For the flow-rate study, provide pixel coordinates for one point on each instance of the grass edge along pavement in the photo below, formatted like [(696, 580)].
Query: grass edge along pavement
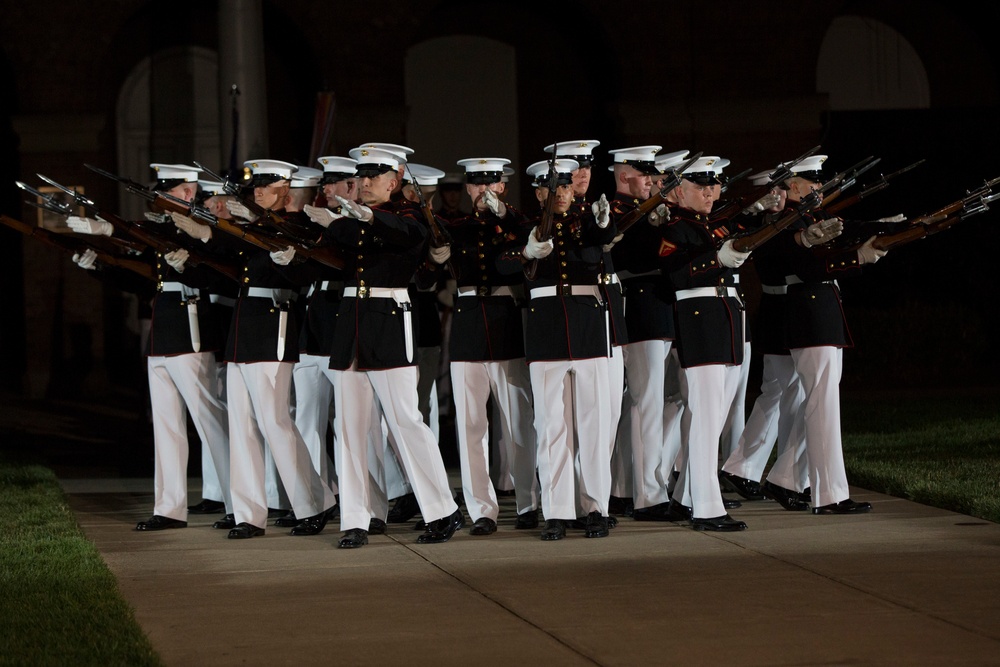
[(59, 602)]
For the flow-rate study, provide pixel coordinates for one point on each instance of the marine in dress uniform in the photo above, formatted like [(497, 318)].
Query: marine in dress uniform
[(709, 324), (261, 352), (487, 350), (567, 346), (374, 350)]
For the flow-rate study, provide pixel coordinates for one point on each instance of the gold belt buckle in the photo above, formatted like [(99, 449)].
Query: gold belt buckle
[(482, 290), (606, 278), (363, 292)]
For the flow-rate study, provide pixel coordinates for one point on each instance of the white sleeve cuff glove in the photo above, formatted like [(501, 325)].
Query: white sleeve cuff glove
[(822, 232), (321, 216), (353, 210), (731, 258), (659, 216), (899, 217), (608, 246), (283, 257), (536, 249), (176, 259), (89, 226), (440, 255), (86, 260), (497, 207), (239, 210), (867, 254), (602, 212), (190, 227)]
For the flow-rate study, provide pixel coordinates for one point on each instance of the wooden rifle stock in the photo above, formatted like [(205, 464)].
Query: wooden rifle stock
[(545, 226)]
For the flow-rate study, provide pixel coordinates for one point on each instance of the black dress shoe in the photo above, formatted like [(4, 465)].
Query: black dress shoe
[(376, 527), (312, 525), (683, 512), (287, 521), (227, 522), (724, 524), (597, 525), (807, 495), (355, 538), (483, 526), (527, 521), (731, 503), (404, 509), (207, 507), (844, 507), (157, 522), (660, 512), (620, 506), (785, 497), (245, 531), (555, 529), (612, 521), (441, 530), (746, 488)]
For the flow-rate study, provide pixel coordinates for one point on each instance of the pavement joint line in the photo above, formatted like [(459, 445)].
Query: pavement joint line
[(494, 601)]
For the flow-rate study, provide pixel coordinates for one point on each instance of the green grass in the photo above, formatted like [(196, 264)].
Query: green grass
[(940, 450), (59, 603)]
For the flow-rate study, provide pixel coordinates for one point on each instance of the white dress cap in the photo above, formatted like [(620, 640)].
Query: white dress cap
[(423, 175), (642, 158), (174, 172), (306, 177)]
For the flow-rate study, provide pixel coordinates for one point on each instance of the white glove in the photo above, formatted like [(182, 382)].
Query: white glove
[(320, 215), (867, 254), (353, 210), (85, 260), (536, 249), (602, 212), (283, 257), (822, 232), (239, 209), (193, 229), (440, 255), (497, 207), (899, 217), (659, 216), (769, 200), (608, 246), (89, 226), (176, 259), (730, 258), (158, 218)]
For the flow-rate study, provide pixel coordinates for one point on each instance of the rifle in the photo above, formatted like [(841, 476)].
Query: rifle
[(545, 224), (735, 179), (812, 201), (438, 236), (852, 177), (134, 230), (975, 203), (782, 173), (75, 244), (878, 186), (649, 205)]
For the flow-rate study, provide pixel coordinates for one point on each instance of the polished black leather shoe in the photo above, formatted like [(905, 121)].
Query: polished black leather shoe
[(555, 529), (785, 497), (681, 512), (597, 525), (724, 524), (404, 509), (746, 488), (620, 506), (287, 521), (376, 527), (312, 525), (612, 521), (207, 507), (731, 503), (441, 530), (245, 531), (660, 512), (483, 526), (807, 495), (527, 521), (157, 522), (844, 507), (355, 538), (227, 522)]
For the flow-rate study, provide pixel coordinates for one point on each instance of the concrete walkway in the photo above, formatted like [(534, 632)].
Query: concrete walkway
[(905, 585)]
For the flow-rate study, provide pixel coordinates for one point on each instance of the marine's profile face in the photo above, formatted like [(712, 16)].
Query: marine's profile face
[(375, 190), (695, 197)]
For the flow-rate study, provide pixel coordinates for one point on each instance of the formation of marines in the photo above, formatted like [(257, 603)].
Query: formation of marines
[(598, 346)]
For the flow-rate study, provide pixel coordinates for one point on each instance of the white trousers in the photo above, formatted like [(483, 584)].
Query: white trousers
[(708, 393), (732, 431), (313, 411), (819, 370), (392, 392), (621, 448), (179, 385), (259, 397), (472, 384), (572, 407), (211, 485)]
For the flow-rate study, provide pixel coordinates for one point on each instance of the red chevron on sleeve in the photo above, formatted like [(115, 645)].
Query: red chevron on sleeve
[(666, 248)]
